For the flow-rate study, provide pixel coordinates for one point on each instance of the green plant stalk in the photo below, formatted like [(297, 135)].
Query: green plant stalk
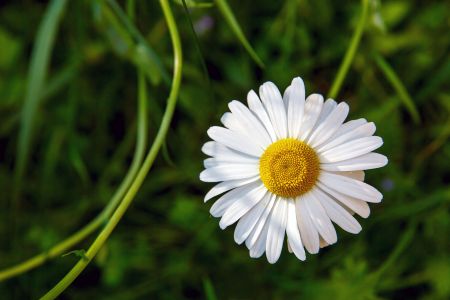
[(398, 86), (65, 245), (234, 25), (351, 51), (130, 195)]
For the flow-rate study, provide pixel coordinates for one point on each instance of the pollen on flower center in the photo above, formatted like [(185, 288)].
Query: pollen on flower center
[(289, 168)]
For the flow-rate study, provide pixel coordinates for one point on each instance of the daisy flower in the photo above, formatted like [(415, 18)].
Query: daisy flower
[(290, 166)]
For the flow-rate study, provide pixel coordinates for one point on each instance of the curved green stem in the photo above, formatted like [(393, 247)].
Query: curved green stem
[(351, 51), (129, 196), (65, 245)]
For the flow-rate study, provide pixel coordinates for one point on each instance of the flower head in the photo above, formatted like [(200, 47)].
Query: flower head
[(290, 166)]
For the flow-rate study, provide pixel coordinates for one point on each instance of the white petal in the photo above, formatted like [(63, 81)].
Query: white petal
[(358, 206), (230, 121), (313, 107), (210, 148), (364, 130), (228, 185), (244, 126), (363, 162), (221, 205), (223, 161), (329, 126), (260, 244), (286, 95), (289, 245), (224, 154), (328, 107), (350, 187), (258, 109), (320, 218), (277, 228), (256, 232), (348, 126), (358, 175), (295, 107), (237, 125), (225, 172), (336, 213), (234, 140), (252, 125), (246, 224), (271, 98), (209, 163), (294, 241), (351, 149), (239, 208), (238, 159), (308, 232)]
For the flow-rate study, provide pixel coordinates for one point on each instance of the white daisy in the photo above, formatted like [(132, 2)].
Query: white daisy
[(290, 166)]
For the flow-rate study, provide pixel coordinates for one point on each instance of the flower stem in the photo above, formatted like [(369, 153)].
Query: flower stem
[(142, 173), (351, 51), (65, 245)]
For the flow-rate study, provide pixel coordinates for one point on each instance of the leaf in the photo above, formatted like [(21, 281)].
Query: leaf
[(234, 25), (40, 60), (350, 53), (210, 294), (154, 66), (398, 86), (199, 51), (78, 253), (194, 4)]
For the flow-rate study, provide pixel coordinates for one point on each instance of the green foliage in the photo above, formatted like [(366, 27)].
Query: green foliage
[(75, 74), (236, 28), (40, 60)]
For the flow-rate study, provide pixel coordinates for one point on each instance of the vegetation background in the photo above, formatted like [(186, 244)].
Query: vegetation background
[(68, 115)]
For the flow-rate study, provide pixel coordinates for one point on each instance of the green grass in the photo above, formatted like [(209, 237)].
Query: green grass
[(75, 119)]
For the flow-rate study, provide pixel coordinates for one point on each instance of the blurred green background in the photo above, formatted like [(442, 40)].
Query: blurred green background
[(76, 101)]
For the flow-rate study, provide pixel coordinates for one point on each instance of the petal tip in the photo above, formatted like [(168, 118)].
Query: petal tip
[(271, 259), (298, 81)]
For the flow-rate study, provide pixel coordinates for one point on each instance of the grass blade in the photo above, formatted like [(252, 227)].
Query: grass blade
[(210, 294), (36, 78), (199, 51), (194, 4), (398, 86), (351, 51), (234, 25), (144, 53)]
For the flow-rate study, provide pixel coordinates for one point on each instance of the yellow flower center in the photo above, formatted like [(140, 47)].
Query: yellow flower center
[(289, 168)]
